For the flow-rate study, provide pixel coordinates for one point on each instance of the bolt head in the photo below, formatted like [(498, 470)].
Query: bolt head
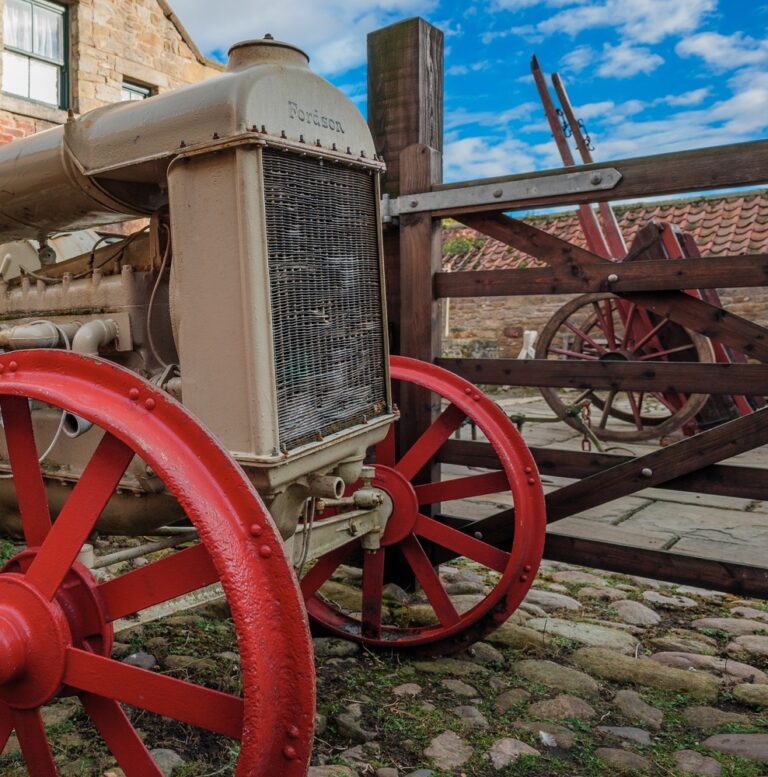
[(265, 551), (150, 404), (612, 278), (646, 472), (256, 530), (596, 179), (497, 193), (290, 753), (134, 393)]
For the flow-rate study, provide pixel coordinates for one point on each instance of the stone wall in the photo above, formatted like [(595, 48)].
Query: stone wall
[(110, 41), (493, 326)]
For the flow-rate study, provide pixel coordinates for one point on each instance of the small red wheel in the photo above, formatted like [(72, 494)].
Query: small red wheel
[(410, 532), (56, 619)]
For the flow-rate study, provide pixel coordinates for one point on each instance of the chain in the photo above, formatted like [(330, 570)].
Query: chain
[(564, 123), (586, 419), (587, 139)]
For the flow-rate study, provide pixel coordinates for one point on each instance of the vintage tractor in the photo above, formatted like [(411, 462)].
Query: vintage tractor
[(223, 373)]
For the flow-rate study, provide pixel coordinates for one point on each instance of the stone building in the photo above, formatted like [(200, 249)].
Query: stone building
[(493, 326), (75, 55)]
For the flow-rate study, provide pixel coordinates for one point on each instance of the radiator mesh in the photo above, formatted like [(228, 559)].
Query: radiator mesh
[(325, 284)]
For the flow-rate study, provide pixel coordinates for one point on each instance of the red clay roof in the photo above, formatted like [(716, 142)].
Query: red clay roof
[(736, 224)]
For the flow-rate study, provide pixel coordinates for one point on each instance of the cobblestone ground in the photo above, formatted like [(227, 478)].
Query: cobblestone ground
[(597, 674)]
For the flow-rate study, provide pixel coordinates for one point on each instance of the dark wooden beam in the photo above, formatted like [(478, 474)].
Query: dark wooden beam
[(738, 579), (702, 169), (716, 479), (706, 273), (405, 91), (530, 240), (733, 331), (665, 377)]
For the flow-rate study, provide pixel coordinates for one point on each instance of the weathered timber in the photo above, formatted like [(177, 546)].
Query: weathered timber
[(405, 106), (702, 169), (716, 479), (739, 579), (695, 314), (706, 319), (664, 377), (405, 91), (530, 240), (653, 469), (706, 273)]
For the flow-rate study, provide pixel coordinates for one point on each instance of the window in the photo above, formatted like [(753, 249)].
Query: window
[(131, 92), (35, 51)]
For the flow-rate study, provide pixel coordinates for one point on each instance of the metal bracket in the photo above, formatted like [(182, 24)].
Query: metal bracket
[(514, 190)]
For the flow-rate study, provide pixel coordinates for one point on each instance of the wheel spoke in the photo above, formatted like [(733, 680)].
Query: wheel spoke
[(385, 450), (666, 352), (607, 410), (79, 515), (610, 324), (430, 581), (166, 696), (462, 488), (27, 475), (650, 334), (121, 737), (635, 411), (373, 591), (605, 326), (573, 354), (324, 567), (584, 336), (461, 543), (34, 743), (6, 726), (185, 571), (629, 324), (429, 443)]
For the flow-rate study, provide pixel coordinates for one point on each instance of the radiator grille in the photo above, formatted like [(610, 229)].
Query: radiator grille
[(326, 296)]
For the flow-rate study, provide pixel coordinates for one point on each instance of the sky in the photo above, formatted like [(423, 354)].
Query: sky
[(645, 76)]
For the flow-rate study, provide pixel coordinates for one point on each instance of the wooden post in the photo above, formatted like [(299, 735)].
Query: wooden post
[(405, 106), (420, 260), (405, 91)]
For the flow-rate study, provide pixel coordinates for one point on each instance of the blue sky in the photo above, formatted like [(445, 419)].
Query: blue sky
[(646, 76)]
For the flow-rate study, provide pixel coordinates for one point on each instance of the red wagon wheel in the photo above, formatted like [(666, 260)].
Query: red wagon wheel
[(56, 620), (601, 327), (410, 532)]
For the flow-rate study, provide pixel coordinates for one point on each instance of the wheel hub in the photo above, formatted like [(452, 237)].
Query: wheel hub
[(35, 633), (405, 504), (615, 356)]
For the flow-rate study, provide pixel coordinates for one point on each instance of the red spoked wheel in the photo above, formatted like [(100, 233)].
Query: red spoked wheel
[(413, 535), (56, 618), (602, 327)]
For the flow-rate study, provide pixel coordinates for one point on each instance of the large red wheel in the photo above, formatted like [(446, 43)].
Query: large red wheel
[(413, 535), (55, 618)]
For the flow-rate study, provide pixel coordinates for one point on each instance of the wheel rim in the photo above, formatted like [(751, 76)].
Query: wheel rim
[(603, 331), (58, 637), (408, 529)]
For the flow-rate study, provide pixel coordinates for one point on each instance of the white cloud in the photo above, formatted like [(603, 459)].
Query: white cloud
[(479, 157), (332, 32), (464, 118), (644, 21), (626, 60), (725, 52), (462, 70), (694, 97), (578, 59)]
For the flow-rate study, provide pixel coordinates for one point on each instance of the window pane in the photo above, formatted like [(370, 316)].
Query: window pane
[(44, 82), (49, 33), (15, 74), (131, 92), (17, 24)]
